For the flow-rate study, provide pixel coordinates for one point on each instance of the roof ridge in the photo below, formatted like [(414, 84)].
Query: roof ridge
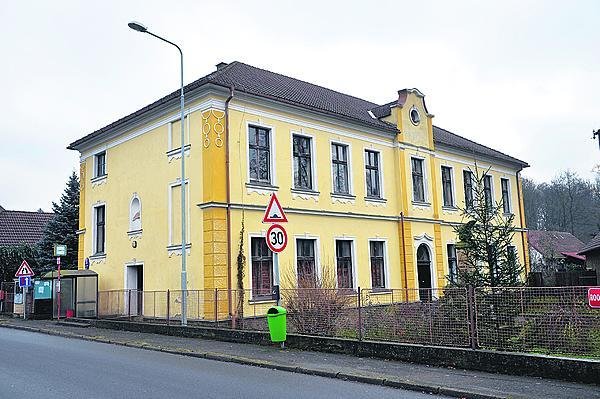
[(309, 83), (34, 212)]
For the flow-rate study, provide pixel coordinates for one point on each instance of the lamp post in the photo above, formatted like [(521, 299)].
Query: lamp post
[(596, 134), (141, 28)]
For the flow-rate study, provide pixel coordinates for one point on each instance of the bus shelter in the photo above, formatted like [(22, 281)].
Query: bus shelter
[(78, 293)]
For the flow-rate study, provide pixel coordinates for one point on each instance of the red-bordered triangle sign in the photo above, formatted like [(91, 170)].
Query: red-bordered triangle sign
[(24, 270), (274, 212)]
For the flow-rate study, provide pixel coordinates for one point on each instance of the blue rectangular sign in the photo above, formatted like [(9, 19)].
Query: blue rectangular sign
[(24, 281)]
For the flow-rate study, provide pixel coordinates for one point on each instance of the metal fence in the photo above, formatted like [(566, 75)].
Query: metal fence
[(550, 320)]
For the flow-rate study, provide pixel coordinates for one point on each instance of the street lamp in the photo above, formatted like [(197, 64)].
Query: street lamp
[(141, 28)]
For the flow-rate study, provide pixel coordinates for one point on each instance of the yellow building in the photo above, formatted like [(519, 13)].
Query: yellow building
[(371, 191)]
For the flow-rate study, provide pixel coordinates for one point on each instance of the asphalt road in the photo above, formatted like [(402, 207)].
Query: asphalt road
[(42, 366)]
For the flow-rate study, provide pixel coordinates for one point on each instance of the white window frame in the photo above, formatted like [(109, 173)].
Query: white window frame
[(354, 259), (313, 160), (381, 179), (473, 182), (186, 132), (273, 171), (445, 251), (188, 224), (95, 174), (425, 180), (492, 189), (386, 271), (94, 231), (452, 185), (134, 197), (350, 175), (317, 241), (252, 235), (425, 239), (509, 187)]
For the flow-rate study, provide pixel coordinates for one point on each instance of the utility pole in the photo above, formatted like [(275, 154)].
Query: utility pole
[(595, 134)]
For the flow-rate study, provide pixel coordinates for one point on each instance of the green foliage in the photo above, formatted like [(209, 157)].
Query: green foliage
[(62, 229), (485, 237), (11, 257)]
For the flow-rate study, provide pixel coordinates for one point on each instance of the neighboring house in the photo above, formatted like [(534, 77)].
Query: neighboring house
[(554, 250), (591, 251), (22, 227), (371, 191)]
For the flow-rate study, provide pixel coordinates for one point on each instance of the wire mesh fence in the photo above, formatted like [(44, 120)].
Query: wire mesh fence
[(547, 320)]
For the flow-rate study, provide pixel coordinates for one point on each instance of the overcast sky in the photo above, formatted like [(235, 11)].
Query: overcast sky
[(521, 77)]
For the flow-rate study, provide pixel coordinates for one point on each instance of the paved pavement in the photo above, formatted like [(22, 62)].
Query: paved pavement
[(39, 365), (457, 383)]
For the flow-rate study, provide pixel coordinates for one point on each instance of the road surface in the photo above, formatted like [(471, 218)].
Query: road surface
[(36, 365)]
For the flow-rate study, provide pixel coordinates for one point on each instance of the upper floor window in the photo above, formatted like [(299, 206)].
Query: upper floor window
[(339, 163), (262, 268), (344, 264), (99, 229), (135, 214), (306, 262), (418, 180), (100, 164), (372, 172), (259, 154), (447, 186), (487, 190), (377, 257), (468, 184), (302, 162), (505, 195)]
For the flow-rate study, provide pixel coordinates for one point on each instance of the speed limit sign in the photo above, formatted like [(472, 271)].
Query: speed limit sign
[(276, 238)]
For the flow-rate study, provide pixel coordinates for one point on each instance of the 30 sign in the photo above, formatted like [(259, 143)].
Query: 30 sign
[(276, 238)]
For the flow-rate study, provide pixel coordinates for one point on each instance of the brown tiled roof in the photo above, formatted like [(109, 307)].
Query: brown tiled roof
[(21, 227), (260, 82), (554, 244), (591, 246)]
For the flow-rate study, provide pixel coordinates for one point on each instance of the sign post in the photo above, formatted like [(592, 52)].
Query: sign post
[(594, 297), (276, 239), (59, 250), (24, 274)]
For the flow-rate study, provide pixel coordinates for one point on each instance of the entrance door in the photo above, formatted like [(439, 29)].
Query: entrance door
[(424, 272), (135, 283)]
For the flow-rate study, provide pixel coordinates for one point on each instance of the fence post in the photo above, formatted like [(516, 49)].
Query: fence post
[(359, 316), (129, 304), (168, 307), (471, 310), (216, 306)]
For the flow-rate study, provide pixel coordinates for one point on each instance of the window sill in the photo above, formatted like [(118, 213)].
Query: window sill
[(176, 152), (99, 255), (449, 208), (342, 195), (421, 204), (262, 186), (134, 232), (380, 291), (261, 300), (306, 191), (98, 179), (376, 199)]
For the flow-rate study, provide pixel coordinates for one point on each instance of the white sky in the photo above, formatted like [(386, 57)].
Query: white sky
[(519, 76)]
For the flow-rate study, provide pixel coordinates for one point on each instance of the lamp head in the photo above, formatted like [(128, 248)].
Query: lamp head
[(137, 26)]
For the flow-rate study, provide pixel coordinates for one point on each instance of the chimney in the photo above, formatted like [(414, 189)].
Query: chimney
[(221, 65)]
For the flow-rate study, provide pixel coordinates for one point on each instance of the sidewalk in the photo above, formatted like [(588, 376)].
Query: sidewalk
[(452, 382)]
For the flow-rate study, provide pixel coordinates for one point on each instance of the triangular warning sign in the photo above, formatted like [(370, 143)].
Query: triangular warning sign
[(274, 212), (24, 270)]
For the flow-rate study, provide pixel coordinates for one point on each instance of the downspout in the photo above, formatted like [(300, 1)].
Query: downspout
[(404, 255), (228, 198), (521, 218)]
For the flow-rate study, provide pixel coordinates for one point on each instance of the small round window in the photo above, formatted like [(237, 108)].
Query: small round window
[(415, 118)]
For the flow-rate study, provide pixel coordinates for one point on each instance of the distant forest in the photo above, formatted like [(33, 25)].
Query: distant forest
[(567, 203)]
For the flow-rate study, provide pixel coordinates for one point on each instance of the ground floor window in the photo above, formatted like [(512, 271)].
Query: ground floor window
[(376, 249), (452, 263), (305, 262), (262, 268), (343, 251)]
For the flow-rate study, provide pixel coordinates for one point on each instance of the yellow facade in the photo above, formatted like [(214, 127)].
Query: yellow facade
[(142, 161)]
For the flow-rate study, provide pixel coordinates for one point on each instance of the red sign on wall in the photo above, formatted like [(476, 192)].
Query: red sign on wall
[(594, 297)]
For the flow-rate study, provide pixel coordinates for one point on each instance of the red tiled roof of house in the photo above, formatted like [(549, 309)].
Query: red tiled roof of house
[(552, 244), (22, 227)]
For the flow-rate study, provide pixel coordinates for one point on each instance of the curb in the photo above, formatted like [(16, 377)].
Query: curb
[(391, 383)]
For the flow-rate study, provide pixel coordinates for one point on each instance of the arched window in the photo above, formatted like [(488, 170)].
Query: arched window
[(135, 214), (424, 272)]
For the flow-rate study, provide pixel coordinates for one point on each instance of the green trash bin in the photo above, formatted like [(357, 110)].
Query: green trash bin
[(276, 318)]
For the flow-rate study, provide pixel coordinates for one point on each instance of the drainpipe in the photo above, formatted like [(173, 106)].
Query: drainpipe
[(521, 218), (228, 197), (404, 255)]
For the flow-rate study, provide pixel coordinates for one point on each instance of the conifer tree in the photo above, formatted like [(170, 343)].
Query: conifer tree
[(62, 229), (485, 241)]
